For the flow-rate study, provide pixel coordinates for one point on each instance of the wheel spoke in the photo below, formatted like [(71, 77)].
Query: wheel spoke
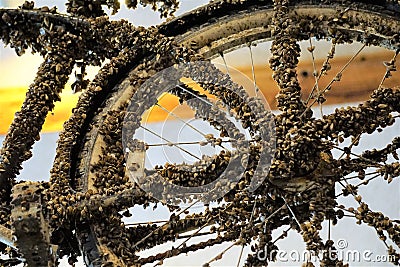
[(165, 224), (183, 244), (180, 119), (250, 224), (324, 69), (335, 79), (390, 66), (375, 163), (368, 180), (202, 143), (188, 124), (195, 247), (358, 177), (146, 223), (220, 255), (204, 99), (329, 229), (207, 223), (293, 215), (283, 235), (253, 71), (224, 60), (170, 142), (355, 140), (311, 49), (376, 221)]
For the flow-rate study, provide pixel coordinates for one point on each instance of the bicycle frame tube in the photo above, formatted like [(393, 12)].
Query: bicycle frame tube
[(6, 237)]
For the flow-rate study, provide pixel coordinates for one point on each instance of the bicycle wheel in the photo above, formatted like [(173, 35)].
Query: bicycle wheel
[(299, 190), (53, 35)]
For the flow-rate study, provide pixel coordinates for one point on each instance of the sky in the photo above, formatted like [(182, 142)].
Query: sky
[(16, 73), (13, 85)]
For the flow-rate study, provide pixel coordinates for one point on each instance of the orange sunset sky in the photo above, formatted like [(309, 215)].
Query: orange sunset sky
[(16, 73)]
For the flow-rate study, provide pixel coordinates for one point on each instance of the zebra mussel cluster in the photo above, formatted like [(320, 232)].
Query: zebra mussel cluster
[(96, 194)]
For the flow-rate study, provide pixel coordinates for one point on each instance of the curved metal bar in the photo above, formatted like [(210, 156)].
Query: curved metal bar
[(6, 237)]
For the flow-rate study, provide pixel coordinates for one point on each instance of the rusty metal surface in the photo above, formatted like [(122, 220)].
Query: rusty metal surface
[(30, 227)]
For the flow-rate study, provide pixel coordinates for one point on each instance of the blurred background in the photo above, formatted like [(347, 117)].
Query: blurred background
[(16, 73)]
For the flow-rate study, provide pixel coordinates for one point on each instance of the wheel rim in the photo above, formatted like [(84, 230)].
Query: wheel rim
[(189, 39)]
